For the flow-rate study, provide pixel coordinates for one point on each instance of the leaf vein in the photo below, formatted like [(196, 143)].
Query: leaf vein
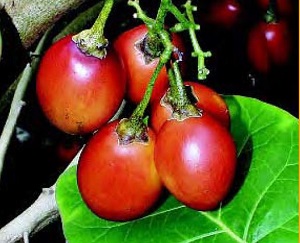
[(279, 227), (225, 228), (199, 237), (261, 196)]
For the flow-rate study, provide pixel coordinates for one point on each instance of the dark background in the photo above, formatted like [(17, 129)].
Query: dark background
[(33, 164)]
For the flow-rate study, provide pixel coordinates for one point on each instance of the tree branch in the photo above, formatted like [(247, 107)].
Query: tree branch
[(32, 19), (42, 212)]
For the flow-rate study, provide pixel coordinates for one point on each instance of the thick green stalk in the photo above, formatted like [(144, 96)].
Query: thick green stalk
[(83, 19), (177, 95), (161, 15), (92, 41), (182, 97), (99, 25)]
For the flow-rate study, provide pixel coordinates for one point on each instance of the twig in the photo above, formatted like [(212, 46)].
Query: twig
[(13, 116), (17, 103), (26, 237)]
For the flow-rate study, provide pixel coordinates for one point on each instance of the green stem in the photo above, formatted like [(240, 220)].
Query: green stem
[(182, 99), (198, 52), (161, 15), (83, 19), (183, 24), (99, 25), (177, 96), (271, 15), (152, 47), (92, 41), (138, 113), (133, 129), (157, 28), (187, 22), (149, 22)]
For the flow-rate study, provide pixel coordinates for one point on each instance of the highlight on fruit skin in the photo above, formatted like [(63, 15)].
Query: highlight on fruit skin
[(198, 163), (75, 91), (118, 182)]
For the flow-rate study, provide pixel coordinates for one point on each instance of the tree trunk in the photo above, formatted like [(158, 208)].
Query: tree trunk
[(32, 18)]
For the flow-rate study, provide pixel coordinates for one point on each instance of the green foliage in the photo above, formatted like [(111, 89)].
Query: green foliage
[(262, 206)]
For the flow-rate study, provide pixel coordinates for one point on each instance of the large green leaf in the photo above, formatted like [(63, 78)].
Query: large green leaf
[(262, 207)]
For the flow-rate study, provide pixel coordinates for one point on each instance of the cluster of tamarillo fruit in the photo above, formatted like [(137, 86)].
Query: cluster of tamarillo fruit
[(127, 164)]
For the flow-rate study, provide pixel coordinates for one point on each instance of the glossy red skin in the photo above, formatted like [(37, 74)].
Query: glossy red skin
[(208, 100), (284, 7), (138, 72), (224, 13), (118, 182), (79, 93), (269, 44), (197, 164)]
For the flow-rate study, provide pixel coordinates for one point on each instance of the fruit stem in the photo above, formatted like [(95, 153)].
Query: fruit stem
[(188, 23), (138, 113), (177, 96), (271, 15), (134, 129), (156, 28), (149, 22), (177, 90), (92, 41)]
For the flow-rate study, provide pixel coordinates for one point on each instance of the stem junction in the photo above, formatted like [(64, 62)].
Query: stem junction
[(92, 41), (159, 40)]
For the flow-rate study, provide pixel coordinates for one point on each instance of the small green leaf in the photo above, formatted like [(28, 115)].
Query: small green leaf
[(262, 206)]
